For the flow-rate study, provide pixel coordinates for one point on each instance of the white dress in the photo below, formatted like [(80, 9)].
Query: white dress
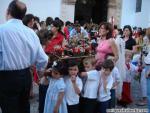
[(120, 64), (55, 87)]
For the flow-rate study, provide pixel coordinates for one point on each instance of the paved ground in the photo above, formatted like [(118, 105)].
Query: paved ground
[(135, 92)]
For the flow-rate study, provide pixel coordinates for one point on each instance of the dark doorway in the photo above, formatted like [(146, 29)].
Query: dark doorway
[(87, 10)]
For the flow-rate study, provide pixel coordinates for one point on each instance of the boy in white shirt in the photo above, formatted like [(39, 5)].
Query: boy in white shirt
[(89, 97), (105, 85), (73, 88), (116, 78)]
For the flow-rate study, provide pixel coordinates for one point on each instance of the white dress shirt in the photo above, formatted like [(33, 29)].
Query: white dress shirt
[(71, 97), (20, 47), (105, 95), (83, 33), (91, 85)]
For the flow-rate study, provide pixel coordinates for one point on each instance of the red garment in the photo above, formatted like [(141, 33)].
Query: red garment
[(53, 42), (128, 66), (126, 93), (35, 75), (66, 32)]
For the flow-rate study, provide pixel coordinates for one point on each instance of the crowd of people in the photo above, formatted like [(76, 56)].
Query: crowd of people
[(100, 80)]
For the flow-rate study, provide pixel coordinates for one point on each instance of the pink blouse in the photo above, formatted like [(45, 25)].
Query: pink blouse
[(103, 49)]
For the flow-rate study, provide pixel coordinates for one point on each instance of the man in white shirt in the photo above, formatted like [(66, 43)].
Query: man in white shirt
[(20, 48), (78, 32)]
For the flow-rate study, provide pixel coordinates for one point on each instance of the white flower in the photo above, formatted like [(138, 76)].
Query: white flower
[(54, 64)]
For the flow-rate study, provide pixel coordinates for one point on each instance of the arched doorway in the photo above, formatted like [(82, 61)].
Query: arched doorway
[(85, 10)]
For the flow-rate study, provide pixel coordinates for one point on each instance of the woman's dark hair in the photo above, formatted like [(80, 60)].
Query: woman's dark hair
[(17, 9), (130, 29), (108, 64), (109, 27), (57, 24), (27, 18), (49, 21)]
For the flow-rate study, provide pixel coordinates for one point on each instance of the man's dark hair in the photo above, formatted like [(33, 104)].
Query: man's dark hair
[(27, 18), (17, 9), (77, 25), (108, 64)]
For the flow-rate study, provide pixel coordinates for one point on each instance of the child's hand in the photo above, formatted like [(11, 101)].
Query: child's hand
[(83, 74), (55, 109), (73, 79), (47, 72)]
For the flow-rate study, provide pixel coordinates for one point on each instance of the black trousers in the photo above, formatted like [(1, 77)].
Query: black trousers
[(87, 105), (73, 108), (42, 95), (14, 91)]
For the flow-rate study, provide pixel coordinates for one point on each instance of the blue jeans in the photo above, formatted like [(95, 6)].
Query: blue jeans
[(147, 70)]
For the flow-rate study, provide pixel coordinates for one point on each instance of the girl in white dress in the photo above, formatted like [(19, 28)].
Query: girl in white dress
[(55, 101)]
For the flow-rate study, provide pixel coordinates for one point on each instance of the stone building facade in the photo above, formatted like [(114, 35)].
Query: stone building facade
[(114, 10)]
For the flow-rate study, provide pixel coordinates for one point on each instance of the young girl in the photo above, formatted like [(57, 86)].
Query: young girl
[(89, 97), (55, 101), (73, 88), (105, 85)]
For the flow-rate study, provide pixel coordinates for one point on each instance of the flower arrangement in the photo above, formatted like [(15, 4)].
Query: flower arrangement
[(76, 47)]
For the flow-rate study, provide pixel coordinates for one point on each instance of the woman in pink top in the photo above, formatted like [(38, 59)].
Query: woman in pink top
[(106, 44)]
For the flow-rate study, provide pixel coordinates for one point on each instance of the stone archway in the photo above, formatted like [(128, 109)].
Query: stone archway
[(113, 9)]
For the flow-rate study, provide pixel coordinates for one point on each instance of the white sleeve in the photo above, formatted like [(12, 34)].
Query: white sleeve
[(117, 74), (110, 82), (79, 83), (85, 33), (92, 75), (133, 68)]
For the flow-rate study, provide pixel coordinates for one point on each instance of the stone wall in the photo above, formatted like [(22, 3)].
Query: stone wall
[(114, 9)]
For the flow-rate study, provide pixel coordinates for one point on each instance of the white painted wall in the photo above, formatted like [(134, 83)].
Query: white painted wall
[(143, 18), (130, 17), (40, 8), (67, 12), (128, 12)]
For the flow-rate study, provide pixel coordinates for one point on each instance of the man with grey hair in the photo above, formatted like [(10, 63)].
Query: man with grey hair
[(20, 48)]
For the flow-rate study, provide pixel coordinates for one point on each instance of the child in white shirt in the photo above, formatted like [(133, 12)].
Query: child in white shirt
[(73, 88), (105, 85), (116, 78), (89, 97), (130, 71)]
